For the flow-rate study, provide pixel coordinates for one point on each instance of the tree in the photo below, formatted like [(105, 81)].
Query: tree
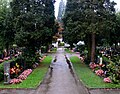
[(49, 23), (114, 36), (72, 33), (33, 22), (7, 33), (93, 18)]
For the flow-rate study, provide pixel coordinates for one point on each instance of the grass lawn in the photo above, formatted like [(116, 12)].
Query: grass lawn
[(54, 50), (90, 79), (35, 78), (68, 51)]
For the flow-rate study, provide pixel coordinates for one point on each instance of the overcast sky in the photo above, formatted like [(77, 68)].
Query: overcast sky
[(58, 1), (118, 4)]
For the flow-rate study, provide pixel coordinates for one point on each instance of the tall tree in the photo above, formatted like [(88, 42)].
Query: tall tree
[(34, 19), (72, 22), (6, 30), (49, 23), (94, 17), (33, 23)]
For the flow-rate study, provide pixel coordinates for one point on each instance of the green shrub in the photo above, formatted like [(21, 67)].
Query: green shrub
[(1, 76), (114, 70), (67, 50), (1, 72), (61, 44), (43, 49)]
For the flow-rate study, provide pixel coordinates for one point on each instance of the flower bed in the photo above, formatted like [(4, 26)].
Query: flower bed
[(97, 68), (21, 77), (88, 77)]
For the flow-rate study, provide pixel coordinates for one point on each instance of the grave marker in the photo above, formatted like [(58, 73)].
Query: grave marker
[(6, 73)]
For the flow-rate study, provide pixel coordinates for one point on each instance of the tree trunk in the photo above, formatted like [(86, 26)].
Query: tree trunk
[(47, 47), (89, 47), (71, 46), (93, 48), (115, 45)]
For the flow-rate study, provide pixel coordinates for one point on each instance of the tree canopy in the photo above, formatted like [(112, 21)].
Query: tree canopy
[(27, 23), (88, 19)]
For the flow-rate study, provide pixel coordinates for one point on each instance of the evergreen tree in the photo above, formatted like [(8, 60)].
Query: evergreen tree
[(6, 30), (90, 18), (33, 24)]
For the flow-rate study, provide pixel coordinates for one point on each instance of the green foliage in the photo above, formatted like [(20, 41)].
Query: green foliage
[(1, 76), (1, 72), (53, 50), (47, 61), (26, 21), (61, 44), (89, 20), (6, 31), (71, 22), (105, 59), (68, 50), (114, 70)]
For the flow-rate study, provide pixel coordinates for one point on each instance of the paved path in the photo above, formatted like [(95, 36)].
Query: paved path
[(104, 91), (61, 79)]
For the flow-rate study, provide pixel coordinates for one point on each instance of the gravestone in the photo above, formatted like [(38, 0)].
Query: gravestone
[(101, 60), (6, 73)]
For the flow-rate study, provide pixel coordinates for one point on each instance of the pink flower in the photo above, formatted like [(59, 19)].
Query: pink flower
[(92, 65), (16, 54), (77, 52), (21, 77), (107, 80), (1, 60), (99, 72), (15, 81), (6, 58), (27, 72)]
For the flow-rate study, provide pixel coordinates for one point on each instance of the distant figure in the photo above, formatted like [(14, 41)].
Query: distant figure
[(51, 67)]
